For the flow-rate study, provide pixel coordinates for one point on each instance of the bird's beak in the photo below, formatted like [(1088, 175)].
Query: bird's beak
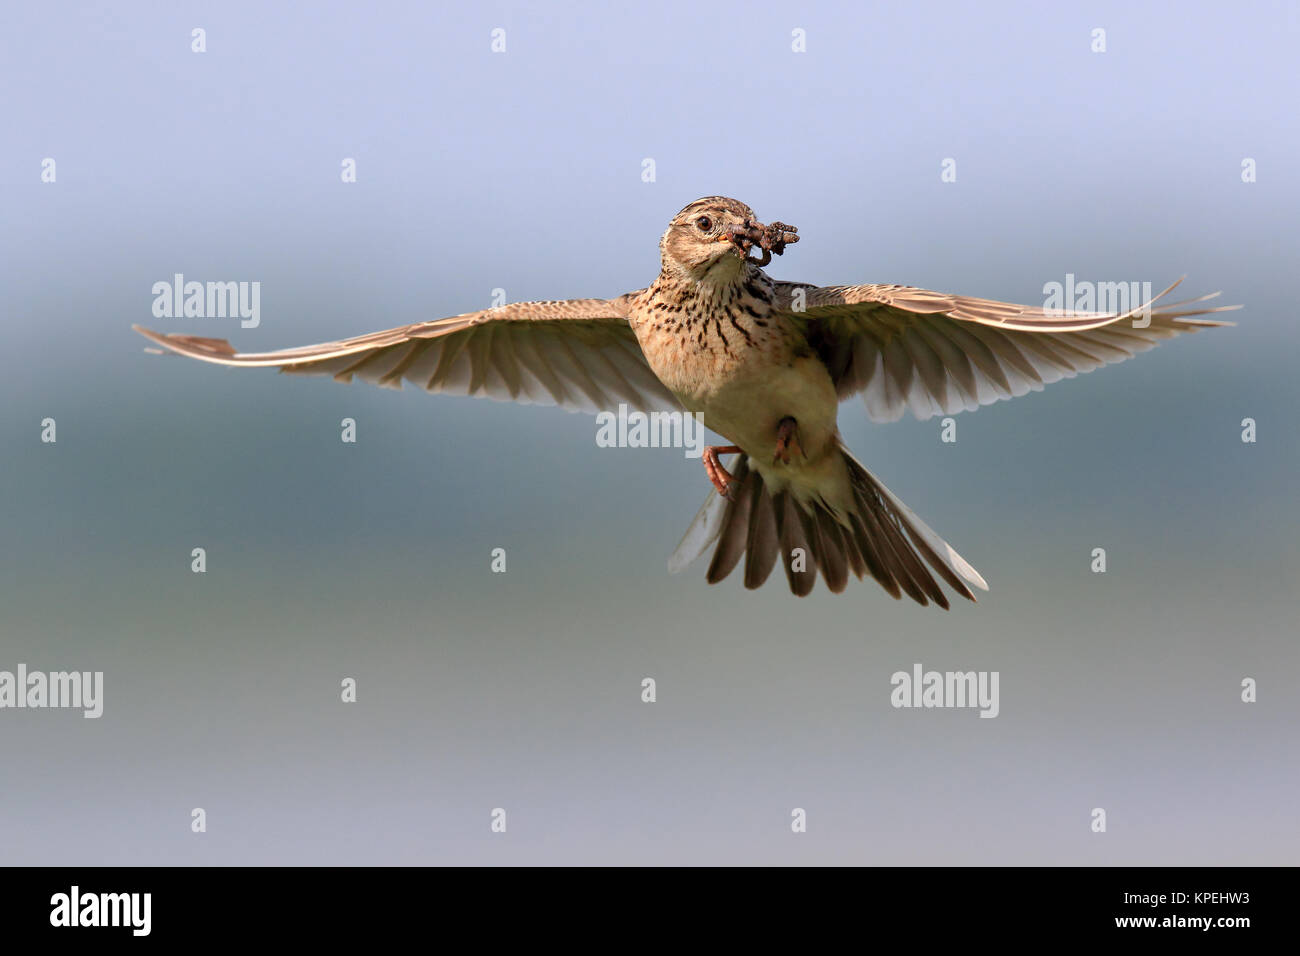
[(739, 242), (739, 237)]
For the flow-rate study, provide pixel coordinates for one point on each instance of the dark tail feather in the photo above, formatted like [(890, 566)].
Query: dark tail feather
[(796, 553), (760, 550), (734, 537), (880, 537), (875, 501), (830, 552)]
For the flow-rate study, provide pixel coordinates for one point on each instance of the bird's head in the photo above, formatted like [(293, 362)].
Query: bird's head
[(712, 238)]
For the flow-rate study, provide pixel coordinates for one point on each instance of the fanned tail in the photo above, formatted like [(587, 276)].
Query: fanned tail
[(875, 535)]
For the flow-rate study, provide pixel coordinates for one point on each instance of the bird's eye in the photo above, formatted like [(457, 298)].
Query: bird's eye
[(704, 223)]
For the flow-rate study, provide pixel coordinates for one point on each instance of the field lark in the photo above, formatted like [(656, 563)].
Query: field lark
[(766, 363)]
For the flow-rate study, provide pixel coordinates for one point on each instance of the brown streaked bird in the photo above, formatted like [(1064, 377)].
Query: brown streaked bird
[(766, 363)]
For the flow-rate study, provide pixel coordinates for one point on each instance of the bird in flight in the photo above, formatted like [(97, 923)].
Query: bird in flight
[(766, 364)]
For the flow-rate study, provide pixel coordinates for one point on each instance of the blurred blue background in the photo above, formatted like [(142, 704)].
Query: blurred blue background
[(522, 171)]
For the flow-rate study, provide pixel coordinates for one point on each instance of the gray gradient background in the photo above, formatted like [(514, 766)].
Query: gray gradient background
[(522, 690)]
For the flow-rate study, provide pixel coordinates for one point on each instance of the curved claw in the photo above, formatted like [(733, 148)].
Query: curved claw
[(787, 441), (723, 481)]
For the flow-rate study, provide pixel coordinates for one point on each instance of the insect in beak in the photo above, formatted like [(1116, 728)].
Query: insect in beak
[(771, 239), (737, 236)]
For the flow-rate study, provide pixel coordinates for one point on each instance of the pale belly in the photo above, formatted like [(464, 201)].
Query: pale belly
[(748, 406)]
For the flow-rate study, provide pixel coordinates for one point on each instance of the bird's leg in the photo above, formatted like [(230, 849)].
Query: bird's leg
[(787, 441), (721, 478)]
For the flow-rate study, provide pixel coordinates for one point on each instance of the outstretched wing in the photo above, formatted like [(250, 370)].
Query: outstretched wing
[(580, 354), (936, 353)]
